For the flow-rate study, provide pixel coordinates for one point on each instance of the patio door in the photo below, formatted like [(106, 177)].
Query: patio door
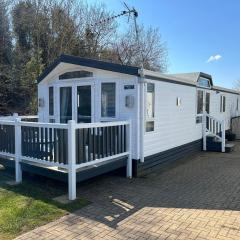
[(65, 104), (84, 104)]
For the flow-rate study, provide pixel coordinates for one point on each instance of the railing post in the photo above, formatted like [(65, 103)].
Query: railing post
[(18, 150), (223, 136), (204, 127), (129, 149), (72, 183)]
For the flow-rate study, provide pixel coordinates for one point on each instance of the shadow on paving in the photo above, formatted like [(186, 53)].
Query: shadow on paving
[(208, 181)]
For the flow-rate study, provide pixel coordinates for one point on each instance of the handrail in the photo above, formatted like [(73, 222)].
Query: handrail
[(21, 117), (101, 124), (45, 125), (208, 115), (214, 127), (7, 122), (29, 117), (69, 146)]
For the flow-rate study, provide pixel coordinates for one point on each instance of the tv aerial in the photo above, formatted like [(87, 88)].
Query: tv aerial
[(130, 12)]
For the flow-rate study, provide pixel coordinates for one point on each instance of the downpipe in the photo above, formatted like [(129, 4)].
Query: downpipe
[(142, 113)]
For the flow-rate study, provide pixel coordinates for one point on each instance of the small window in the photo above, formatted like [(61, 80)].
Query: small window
[(51, 101), (108, 100), (150, 105), (199, 102), (222, 103), (204, 82), (75, 74)]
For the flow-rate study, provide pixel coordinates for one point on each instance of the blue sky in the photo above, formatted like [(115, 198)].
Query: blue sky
[(194, 31)]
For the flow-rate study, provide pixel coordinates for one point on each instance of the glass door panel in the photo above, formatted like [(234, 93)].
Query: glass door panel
[(84, 104), (207, 102), (65, 104)]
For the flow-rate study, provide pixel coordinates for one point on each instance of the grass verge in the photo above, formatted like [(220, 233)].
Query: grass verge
[(29, 205)]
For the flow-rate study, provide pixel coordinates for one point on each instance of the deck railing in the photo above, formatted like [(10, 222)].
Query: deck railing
[(213, 127), (69, 146), (7, 138), (45, 143)]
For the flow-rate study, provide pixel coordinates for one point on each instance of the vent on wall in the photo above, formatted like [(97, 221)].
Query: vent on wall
[(179, 101)]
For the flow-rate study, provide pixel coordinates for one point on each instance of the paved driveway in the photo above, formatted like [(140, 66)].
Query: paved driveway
[(198, 198)]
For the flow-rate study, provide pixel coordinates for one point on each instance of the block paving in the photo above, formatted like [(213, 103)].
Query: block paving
[(196, 198)]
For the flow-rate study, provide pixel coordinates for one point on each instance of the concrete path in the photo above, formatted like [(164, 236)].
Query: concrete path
[(198, 198)]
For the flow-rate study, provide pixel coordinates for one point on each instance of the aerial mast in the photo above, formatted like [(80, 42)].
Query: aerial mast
[(130, 12)]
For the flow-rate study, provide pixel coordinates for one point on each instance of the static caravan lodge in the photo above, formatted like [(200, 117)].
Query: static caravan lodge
[(96, 116)]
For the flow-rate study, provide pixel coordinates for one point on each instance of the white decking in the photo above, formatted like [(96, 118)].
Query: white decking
[(70, 147)]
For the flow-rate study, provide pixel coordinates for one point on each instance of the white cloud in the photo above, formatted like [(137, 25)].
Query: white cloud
[(214, 58)]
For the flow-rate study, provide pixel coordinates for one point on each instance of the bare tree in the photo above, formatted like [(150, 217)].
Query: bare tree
[(152, 50), (95, 34), (40, 30)]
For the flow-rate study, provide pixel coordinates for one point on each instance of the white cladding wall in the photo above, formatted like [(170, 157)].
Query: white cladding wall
[(99, 76), (231, 106), (176, 125)]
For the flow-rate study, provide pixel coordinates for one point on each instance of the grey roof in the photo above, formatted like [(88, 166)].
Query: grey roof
[(189, 79), (87, 62), (194, 76)]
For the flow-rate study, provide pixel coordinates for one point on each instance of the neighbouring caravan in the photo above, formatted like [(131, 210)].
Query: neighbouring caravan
[(165, 109), (95, 117)]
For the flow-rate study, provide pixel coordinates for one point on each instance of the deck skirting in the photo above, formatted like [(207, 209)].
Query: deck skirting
[(166, 157)]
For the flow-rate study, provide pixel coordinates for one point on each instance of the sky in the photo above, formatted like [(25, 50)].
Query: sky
[(201, 35)]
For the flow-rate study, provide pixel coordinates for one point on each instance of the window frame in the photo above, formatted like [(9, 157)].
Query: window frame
[(201, 113), (51, 113), (107, 118), (152, 118), (72, 97), (75, 71), (201, 86), (223, 102), (205, 92)]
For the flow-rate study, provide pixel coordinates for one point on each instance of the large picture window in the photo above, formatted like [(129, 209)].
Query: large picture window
[(108, 100), (150, 106), (51, 101)]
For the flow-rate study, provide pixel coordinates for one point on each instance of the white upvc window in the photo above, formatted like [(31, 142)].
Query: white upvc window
[(51, 105), (200, 102), (108, 100), (150, 107), (51, 101), (222, 104), (203, 103), (204, 82)]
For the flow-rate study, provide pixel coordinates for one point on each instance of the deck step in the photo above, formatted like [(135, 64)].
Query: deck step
[(229, 147), (214, 145)]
